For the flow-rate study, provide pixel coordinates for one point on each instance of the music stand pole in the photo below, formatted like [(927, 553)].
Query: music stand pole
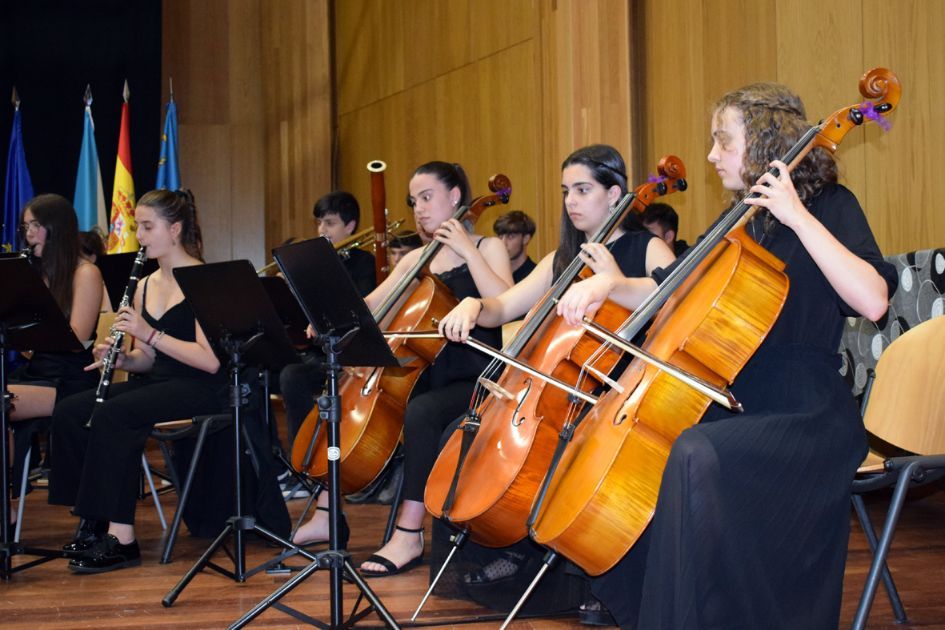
[(335, 559), (349, 336), (254, 335)]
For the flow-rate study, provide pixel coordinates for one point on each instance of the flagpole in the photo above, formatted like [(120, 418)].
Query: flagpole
[(15, 100)]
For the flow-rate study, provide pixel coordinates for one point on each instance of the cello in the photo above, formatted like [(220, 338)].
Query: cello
[(374, 399), (711, 314), (487, 487)]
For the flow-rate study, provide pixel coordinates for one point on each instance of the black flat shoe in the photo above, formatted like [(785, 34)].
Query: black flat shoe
[(107, 555), (88, 533), (593, 613)]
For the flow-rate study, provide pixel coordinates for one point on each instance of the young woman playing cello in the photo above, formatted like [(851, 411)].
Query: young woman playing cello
[(96, 469), (470, 265), (752, 519), (593, 180)]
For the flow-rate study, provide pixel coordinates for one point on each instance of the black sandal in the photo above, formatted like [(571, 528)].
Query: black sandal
[(391, 568)]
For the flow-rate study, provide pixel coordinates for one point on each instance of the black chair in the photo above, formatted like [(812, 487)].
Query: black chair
[(905, 409)]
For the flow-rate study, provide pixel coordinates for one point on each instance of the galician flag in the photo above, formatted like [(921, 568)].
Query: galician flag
[(168, 174), (19, 188), (121, 235), (89, 199)]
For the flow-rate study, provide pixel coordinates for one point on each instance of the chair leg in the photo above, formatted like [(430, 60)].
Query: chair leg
[(882, 548), (154, 495), (867, 525), (185, 492), (23, 483)]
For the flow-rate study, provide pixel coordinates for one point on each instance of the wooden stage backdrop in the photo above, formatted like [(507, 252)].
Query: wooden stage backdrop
[(513, 86)]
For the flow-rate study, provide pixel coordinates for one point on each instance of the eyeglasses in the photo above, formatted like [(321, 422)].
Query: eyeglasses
[(30, 225)]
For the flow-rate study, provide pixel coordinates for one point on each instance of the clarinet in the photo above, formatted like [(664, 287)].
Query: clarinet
[(118, 336)]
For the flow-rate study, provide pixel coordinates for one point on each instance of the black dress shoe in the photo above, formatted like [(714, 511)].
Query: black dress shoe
[(107, 555), (88, 533)]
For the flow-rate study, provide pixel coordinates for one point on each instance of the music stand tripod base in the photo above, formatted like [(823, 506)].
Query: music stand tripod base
[(349, 336)]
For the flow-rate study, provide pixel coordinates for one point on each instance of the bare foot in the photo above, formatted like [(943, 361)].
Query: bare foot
[(401, 549), (314, 531)]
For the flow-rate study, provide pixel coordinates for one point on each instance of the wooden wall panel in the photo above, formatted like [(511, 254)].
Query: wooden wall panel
[(585, 92), (906, 208), (208, 49), (253, 88), (296, 95), (820, 56), (443, 119), (820, 50), (516, 86)]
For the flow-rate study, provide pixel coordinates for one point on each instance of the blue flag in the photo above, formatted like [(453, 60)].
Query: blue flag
[(89, 199), (168, 174), (18, 189)]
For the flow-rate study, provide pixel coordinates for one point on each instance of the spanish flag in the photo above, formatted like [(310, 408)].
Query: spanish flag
[(121, 234)]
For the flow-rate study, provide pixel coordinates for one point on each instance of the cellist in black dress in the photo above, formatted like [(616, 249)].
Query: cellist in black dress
[(469, 265), (752, 520), (593, 180)]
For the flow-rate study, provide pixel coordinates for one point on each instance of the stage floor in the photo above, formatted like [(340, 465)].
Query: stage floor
[(50, 596)]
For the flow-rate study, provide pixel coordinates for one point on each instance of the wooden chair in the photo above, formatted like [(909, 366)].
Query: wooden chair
[(904, 408)]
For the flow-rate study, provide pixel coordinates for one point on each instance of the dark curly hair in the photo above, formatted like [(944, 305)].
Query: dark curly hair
[(177, 206), (775, 119)]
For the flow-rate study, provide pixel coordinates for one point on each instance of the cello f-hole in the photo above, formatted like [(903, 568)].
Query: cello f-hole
[(619, 419), (517, 419)]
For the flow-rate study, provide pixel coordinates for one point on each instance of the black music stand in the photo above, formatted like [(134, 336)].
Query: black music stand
[(243, 331), (30, 319), (349, 336), (115, 270)]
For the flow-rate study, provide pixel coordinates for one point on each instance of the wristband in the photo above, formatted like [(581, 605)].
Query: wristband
[(157, 339), (151, 336)]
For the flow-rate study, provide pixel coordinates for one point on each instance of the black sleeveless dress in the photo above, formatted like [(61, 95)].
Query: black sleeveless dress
[(752, 522), (97, 469), (562, 588), (443, 391)]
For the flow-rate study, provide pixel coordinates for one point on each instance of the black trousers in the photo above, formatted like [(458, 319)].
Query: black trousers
[(97, 470), (428, 414)]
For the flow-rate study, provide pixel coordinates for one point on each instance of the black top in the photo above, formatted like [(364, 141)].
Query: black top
[(360, 266), (458, 362), (519, 274), (178, 322), (630, 252), (813, 313)]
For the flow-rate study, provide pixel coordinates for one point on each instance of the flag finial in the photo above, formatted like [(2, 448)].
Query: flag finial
[(126, 93), (170, 83), (88, 95)]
